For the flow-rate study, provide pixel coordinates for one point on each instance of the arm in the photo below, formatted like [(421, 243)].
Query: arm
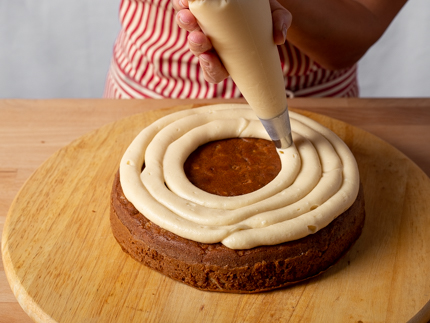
[(337, 33)]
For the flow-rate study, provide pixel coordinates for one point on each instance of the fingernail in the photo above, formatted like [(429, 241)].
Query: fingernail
[(182, 4), (194, 43), (284, 31), (182, 20), (203, 61)]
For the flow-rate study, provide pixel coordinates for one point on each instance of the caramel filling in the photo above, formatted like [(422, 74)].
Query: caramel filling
[(233, 166)]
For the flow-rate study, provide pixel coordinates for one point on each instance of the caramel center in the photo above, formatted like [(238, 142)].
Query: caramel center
[(233, 166)]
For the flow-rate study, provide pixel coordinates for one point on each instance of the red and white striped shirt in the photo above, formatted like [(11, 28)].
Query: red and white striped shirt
[(151, 59)]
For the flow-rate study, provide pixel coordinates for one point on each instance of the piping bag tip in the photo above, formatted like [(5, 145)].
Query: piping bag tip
[(284, 143), (279, 130)]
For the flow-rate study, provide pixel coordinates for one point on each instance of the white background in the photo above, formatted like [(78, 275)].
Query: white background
[(62, 49)]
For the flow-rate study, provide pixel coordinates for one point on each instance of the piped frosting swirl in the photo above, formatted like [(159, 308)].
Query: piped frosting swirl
[(318, 180)]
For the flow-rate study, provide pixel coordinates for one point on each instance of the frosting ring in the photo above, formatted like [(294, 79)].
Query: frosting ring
[(318, 181)]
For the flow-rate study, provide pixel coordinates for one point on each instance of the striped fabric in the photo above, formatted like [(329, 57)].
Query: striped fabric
[(151, 60)]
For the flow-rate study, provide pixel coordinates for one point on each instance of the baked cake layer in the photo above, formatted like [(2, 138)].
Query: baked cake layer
[(214, 267)]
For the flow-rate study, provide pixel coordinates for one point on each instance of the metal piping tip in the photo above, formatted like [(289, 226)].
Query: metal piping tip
[(279, 130)]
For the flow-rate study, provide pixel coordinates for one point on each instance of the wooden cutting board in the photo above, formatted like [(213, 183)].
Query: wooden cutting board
[(64, 265)]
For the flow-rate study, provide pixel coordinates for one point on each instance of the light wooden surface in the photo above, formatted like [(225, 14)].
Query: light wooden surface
[(31, 131)]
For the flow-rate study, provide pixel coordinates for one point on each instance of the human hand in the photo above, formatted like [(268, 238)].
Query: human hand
[(200, 45)]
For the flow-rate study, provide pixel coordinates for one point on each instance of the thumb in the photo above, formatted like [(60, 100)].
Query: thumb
[(282, 19)]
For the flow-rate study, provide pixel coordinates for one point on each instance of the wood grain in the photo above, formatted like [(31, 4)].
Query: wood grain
[(65, 266)]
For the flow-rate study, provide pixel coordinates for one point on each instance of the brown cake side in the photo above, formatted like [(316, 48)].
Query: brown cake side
[(214, 267)]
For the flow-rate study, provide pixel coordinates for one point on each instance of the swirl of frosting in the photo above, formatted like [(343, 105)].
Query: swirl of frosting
[(318, 180)]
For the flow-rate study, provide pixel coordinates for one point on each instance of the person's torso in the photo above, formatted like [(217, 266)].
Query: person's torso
[(152, 59)]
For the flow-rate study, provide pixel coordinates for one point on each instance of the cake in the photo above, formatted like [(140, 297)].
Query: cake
[(205, 198)]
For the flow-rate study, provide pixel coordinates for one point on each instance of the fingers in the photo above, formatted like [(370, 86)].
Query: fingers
[(282, 19), (199, 44), (180, 4), (186, 20), (213, 70)]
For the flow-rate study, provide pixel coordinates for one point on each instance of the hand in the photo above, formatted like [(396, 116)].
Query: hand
[(200, 45)]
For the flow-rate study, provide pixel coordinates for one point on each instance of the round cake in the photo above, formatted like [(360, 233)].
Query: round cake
[(204, 197)]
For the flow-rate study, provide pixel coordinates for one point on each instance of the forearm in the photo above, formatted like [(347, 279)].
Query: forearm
[(337, 33)]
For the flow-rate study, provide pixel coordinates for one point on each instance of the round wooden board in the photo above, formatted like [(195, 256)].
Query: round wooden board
[(64, 265)]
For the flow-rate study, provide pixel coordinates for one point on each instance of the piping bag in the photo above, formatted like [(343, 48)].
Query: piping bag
[(241, 31)]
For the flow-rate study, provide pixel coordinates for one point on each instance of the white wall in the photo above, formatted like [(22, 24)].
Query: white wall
[(56, 48), (398, 65), (62, 49)]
